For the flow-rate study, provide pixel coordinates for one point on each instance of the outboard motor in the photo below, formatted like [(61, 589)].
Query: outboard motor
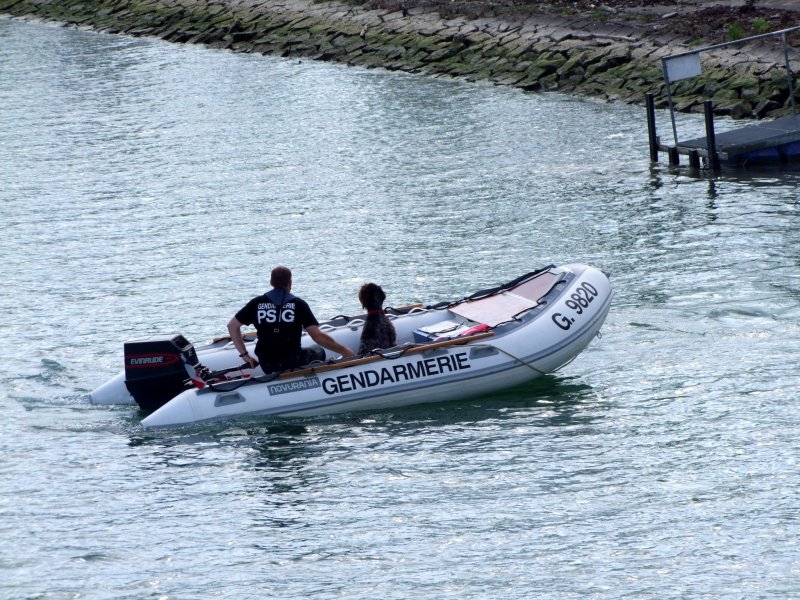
[(158, 368)]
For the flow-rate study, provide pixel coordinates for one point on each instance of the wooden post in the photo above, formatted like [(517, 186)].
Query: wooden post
[(674, 157), (694, 159), (711, 139), (651, 127)]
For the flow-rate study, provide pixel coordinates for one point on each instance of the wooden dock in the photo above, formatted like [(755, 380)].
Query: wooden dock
[(773, 142), (751, 139), (769, 142)]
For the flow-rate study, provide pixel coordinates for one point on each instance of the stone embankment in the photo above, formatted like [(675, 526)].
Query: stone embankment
[(539, 53)]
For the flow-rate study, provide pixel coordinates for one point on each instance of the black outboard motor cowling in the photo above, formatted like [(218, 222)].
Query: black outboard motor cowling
[(155, 371)]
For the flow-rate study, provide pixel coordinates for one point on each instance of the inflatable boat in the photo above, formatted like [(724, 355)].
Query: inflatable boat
[(490, 340)]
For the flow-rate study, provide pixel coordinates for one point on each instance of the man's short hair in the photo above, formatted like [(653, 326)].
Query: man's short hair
[(280, 277)]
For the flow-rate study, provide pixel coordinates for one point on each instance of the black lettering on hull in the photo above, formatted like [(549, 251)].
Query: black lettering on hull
[(420, 369)]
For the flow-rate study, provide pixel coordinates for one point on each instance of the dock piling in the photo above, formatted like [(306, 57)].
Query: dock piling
[(711, 139), (651, 126), (674, 157)]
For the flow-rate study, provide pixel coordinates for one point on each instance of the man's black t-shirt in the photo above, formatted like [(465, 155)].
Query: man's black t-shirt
[(279, 318)]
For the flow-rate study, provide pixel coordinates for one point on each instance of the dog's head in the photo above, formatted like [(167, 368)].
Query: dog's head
[(371, 296)]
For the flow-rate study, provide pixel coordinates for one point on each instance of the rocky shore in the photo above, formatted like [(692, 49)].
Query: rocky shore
[(609, 52)]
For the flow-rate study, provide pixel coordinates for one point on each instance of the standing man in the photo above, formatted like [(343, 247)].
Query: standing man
[(280, 318)]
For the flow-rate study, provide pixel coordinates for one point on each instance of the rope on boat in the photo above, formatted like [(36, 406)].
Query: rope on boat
[(558, 368), (392, 354), (480, 295), (517, 358), (398, 354), (233, 385)]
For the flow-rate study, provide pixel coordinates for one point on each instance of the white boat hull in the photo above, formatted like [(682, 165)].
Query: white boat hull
[(547, 333)]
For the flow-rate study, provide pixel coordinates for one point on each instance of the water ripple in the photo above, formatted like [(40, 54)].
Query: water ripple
[(148, 189)]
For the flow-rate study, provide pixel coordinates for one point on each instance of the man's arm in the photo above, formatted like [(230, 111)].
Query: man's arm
[(326, 341), (235, 331)]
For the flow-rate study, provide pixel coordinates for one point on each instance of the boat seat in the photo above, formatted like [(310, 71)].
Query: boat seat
[(504, 306)]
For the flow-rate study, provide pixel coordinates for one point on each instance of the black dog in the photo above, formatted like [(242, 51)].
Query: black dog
[(378, 330)]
